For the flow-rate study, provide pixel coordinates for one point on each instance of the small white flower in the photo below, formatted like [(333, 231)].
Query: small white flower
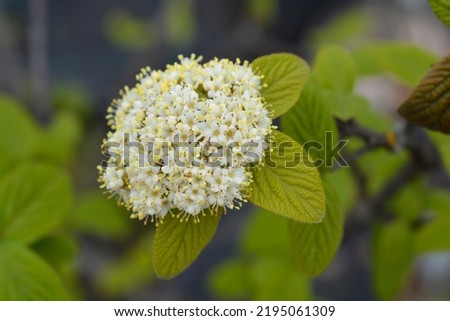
[(217, 107)]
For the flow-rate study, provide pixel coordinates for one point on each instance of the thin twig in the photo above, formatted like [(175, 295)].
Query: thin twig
[(350, 128), (425, 160), (396, 183)]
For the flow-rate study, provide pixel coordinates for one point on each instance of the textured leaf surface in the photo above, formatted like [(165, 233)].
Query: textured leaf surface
[(334, 68), (429, 104), (33, 200), (25, 276), (442, 9), (309, 120), (315, 245), (177, 244), (393, 254), (288, 185), (285, 75)]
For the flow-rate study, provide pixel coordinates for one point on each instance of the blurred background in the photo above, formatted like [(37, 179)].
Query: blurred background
[(61, 64)]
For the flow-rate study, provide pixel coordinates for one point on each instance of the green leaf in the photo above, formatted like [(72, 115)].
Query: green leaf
[(344, 28), (130, 272), (97, 215), (345, 105), (25, 276), (335, 69), (343, 183), (433, 236), (274, 228), (58, 143), (288, 185), (276, 280), (393, 254), (264, 271), (409, 202), (129, 32), (18, 133), (374, 119), (264, 11), (6, 165), (442, 9), (180, 22), (177, 244), (381, 165), (33, 200), (266, 278), (429, 104), (406, 62), (56, 249), (230, 281), (285, 75), (309, 120), (439, 202), (315, 245)]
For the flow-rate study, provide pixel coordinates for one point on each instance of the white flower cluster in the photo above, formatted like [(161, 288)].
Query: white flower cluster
[(217, 106)]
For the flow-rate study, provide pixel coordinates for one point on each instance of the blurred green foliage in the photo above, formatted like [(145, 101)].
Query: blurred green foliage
[(440, 8), (348, 28), (334, 72), (97, 215), (19, 134), (264, 270), (35, 195), (130, 272), (180, 22), (174, 24), (129, 32), (263, 11), (26, 276), (43, 214), (33, 198), (406, 62), (392, 258), (314, 128), (395, 243)]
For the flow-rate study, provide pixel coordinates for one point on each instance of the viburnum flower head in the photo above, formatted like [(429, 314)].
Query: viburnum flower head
[(202, 126)]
